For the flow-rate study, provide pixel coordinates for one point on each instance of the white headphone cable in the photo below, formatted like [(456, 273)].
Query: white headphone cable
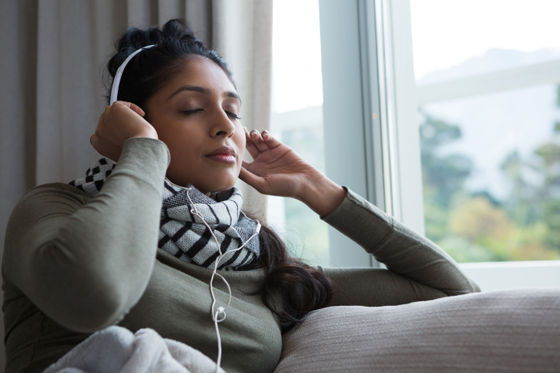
[(219, 315)]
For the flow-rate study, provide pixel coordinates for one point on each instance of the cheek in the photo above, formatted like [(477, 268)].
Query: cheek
[(176, 145), (179, 137), (241, 142)]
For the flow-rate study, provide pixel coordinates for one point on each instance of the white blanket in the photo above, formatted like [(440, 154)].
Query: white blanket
[(116, 349)]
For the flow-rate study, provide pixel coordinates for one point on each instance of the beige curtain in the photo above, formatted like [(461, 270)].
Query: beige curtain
[(52, 72)]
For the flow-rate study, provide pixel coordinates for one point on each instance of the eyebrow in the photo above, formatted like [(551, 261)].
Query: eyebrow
[(206, 91)]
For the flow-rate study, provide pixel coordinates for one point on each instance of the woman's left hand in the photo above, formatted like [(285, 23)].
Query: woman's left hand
[(277, 170)]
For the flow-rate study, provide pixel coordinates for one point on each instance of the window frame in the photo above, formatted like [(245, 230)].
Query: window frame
[(362, 99), (353, 140), (376, 99)]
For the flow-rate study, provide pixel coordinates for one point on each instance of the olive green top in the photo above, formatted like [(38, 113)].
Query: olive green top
[(74, 264)]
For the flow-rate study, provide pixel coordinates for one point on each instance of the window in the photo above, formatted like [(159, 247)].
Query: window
[(489, 108), (297, 119), (465, 102), (466, 107)]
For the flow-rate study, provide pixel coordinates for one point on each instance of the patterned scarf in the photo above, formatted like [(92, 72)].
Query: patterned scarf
[(183, 233)]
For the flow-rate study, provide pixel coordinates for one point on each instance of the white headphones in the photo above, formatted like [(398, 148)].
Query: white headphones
[(120, 70)]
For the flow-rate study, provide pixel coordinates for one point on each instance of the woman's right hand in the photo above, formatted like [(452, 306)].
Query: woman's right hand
[(119, 122)]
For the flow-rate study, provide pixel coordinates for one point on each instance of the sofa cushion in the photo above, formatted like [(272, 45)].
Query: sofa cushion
[(514, 330)]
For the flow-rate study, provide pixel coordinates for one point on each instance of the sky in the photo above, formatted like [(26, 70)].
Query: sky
[(448, 32)]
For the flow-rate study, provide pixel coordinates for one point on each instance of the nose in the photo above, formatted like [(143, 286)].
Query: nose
[(222, 125)]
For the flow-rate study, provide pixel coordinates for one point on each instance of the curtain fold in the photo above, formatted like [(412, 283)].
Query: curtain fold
[(53, 74)]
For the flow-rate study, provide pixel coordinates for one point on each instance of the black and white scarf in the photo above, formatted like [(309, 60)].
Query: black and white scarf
[(183, 233)]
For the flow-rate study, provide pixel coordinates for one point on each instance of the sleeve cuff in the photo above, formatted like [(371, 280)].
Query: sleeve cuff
[(360, 220)]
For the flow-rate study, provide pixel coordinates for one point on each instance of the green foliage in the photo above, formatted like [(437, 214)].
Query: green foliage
[(446, 173), (475, 226), (520, 204), (477, 220), (551, 215), (435, 214), (549, 153)]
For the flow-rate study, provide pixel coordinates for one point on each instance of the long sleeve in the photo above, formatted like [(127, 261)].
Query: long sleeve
[(417, 269), (85, 261)]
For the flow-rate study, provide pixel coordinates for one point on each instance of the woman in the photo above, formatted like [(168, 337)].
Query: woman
[(106, 250)]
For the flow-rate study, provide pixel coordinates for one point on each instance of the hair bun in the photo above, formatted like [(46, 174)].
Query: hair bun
[(133, 39), (174, 31), (177, 29)]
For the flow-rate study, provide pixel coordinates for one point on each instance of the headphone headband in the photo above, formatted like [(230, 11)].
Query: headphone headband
[(120, 70)]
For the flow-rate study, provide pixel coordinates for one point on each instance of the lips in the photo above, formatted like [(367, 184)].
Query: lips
[(223, 154)]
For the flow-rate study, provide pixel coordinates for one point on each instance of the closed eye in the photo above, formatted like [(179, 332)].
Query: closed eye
[(233, 115), (191, 111)]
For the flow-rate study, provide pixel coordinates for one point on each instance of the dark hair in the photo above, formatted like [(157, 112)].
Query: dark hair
[(150, 69), (291, 288)]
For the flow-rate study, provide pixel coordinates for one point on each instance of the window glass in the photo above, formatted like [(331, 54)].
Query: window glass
[(490, 162), (297, 119), (491, 174), (459, 38)]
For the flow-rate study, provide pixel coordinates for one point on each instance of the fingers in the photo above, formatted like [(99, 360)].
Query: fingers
[(104, 147), (258, 142), (250, 178), (132, 106), (119, 122), (251, 148), (270, 140), (137, 109), (247, 166)]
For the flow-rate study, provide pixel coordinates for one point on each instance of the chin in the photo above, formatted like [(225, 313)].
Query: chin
[(223, 188), (224, 183), (209, 183), (218, 187)]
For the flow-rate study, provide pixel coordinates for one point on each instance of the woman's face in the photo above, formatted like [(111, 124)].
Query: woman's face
[(196, 113)]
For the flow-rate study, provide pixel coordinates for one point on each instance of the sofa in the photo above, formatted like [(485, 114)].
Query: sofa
[(497, 331)]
